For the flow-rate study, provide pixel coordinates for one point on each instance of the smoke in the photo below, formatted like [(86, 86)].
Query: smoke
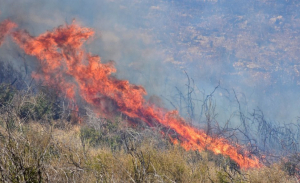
[(66, 66), (251, 48), (119, 33), (5, 27)]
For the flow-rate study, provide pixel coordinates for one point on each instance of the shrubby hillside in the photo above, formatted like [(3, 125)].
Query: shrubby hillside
[(44, 139)]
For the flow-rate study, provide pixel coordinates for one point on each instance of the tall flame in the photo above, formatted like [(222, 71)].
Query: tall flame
[(67, 66)]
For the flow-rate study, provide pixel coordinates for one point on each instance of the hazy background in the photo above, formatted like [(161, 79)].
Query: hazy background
[(250, 47)]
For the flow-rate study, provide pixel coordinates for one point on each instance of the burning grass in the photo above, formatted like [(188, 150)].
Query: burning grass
[(81, 76), (41, 139), (105, 150)]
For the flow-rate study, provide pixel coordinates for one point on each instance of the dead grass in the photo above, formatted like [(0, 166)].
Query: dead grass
[(49, 150)]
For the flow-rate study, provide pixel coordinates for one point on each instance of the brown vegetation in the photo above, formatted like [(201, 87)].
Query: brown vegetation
[(39, 144)]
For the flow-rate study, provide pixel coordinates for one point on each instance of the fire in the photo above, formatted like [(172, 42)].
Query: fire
[(5, 27), (66, 65)]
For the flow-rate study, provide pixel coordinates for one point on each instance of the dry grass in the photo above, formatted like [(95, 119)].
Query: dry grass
[(59, 157), (51, 150)]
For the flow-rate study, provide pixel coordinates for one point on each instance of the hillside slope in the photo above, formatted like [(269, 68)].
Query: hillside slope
[(42, 141)]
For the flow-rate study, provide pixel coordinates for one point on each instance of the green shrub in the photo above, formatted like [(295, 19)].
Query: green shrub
[(6, 94), (90, 136), (106, 136), (37, 108)]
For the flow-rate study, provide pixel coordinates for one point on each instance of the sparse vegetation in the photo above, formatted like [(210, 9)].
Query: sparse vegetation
[(35, 147)]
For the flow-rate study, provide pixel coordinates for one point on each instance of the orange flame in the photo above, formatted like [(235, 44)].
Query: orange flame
[(67, 66), (5, 27)]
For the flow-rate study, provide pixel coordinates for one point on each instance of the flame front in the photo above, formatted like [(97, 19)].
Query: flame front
[(67, 66)]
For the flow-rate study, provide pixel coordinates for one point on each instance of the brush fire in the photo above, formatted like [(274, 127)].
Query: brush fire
[(66, 65)]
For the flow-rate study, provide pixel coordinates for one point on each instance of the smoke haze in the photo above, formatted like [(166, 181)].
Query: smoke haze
[(251, 48)]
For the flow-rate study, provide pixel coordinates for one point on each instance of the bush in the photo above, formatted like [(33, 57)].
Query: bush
[(36, 109), (102, 150), (108, 135), (6, 94), (41, 106)]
